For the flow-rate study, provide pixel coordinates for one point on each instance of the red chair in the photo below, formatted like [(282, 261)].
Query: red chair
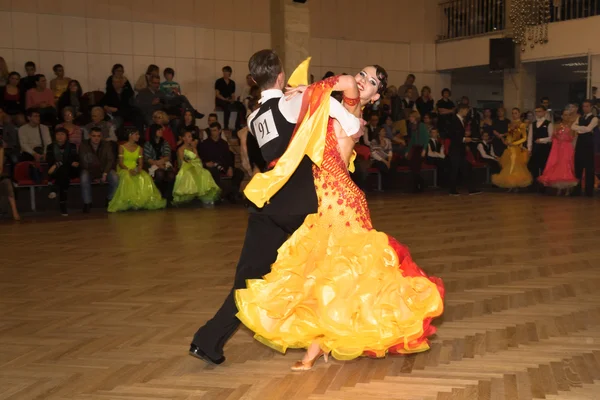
[(22, 178), (362, 152)]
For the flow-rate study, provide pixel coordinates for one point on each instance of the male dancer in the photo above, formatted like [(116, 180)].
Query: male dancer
[(538, 142), (584, 150), (268, 228), (458, 152)]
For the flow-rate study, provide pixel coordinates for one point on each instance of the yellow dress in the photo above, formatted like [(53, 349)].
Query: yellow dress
[(336, 280), (515, 173)]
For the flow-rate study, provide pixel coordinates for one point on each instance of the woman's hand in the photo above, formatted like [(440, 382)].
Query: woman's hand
[(291, 92)]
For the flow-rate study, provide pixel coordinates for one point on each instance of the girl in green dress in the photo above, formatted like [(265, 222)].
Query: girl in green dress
[(193, 181), (136, 190)]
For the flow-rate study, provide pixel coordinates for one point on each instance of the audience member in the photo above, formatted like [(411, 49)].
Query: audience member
[(157, 155), (136, 190), (225, 99), (151, 99), (388, 125), (486, 153), (487, 123), (372, 130), (28, 82), (446, 112), (216, 156), (500, 131), (118, 103), (59, 84), (173, 96), (74, 132), (247, 89), (34, 138), (117, 71), (425, 103), (188, 124), (545, 101), (408, 104), (10, 97), (73, 97), (3, 72), (436, 154), (409, 83), (473, 118), (97, 162), (42, 98), (63, 164), (143, 81), (416, 149), (161, 118), (10, 138), (381, 155), (98, 121), (459, 166), (6, 187), (205, 134)]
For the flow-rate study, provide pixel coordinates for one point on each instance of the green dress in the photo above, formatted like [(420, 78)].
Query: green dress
[(194, 182), (135, 192)]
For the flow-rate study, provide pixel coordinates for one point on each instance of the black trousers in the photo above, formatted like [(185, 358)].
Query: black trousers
[(584, 160), (538, 160), (236, 179), (264, 236), (459, 166)]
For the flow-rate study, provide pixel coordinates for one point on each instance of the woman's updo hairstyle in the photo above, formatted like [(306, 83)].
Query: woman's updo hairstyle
[(382, 75)]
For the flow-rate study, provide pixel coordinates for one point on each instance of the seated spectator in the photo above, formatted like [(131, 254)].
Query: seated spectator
[(42, 98), (372, 130), (416, 149), (161, 118), (136, 190), (59, 84), (409, 83), (225, 99), (436, 154), (97, 162), (173, 96), (445, 110), (408, 105), (216, 156), (486, 153), (63, 164), (28, 82), (10, 97), (34, 138), (98, 121), (74, 131), (151, 99), (6, 187), (118, 103), (381, 155), (389, 127), (251, 99), (205, 134), (73, 97), (10, 138), (193, 181), (118, 71), (143, 81), (246, 91), (187, 124), (157, 155), (425, 104)]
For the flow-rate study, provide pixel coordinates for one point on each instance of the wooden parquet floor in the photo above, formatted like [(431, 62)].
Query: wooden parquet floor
[(104, 307)]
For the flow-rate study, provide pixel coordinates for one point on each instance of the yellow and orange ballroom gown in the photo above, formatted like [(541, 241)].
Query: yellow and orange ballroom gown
[(336, 280), (514, 173)]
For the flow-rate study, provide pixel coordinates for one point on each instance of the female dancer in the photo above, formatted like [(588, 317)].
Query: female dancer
[(136, 188), (338, 285), (193, 181), (514, 174), (560, 168)]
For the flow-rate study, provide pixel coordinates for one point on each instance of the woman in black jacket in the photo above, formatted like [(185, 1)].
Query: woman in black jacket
[(63, 164), (73, 97)]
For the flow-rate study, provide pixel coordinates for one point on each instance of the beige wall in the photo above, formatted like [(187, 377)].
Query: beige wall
[(198, 37)]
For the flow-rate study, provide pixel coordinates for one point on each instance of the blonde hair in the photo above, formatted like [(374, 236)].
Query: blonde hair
[(415, 114), (163, 116)]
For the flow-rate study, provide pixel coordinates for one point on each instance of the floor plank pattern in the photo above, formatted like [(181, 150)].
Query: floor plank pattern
[(103, 307)]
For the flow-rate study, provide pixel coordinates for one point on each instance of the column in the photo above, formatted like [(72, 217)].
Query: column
[(290, 32)]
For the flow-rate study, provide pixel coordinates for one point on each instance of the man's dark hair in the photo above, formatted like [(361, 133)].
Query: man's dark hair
[(446, 90), (411, 76), (57, 66), (215, 125), (213, 115), (462, 107), (227, 68), (545, 98), (169, 71), (29, 64), (96, 129), (63, 130), (153, 77), (38, 77), (589, 101), (116, 67), (265, 66), (30, 111), (541, 107), (328, 74)]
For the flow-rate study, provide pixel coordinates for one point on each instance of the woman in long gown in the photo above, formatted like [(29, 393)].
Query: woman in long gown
[(338, 286), (193, 181), (514, 174), (136, 190), (560, 168)]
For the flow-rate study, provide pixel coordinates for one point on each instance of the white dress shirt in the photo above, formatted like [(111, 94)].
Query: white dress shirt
[(539, 123), (290, 109), (585, 129), (435, 154), (483, 154)]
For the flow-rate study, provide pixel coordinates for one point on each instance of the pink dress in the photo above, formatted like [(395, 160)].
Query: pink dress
[(560, 168)]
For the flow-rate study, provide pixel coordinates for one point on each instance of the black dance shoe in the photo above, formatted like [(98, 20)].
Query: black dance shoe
[(195, 351)]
